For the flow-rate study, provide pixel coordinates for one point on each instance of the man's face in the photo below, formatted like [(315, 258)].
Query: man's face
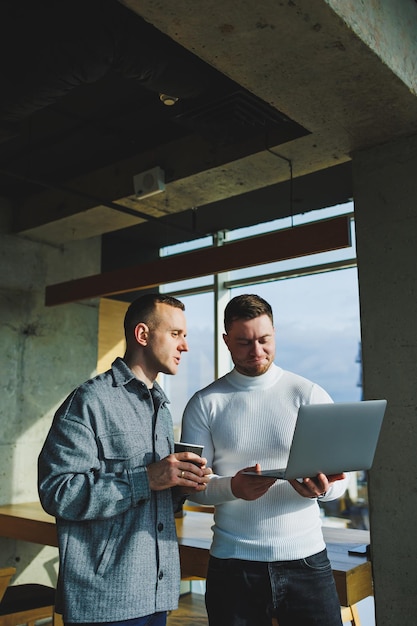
[(252, 345), (166, 341)]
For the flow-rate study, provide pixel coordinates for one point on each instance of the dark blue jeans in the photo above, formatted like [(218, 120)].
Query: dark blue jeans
[(156, 619), (250, 593)]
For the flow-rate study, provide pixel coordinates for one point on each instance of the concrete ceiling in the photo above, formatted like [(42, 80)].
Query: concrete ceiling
[(267, 91)]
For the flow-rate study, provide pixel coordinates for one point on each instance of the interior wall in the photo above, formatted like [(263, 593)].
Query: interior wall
[(45, 353), (111, 340), (385, 190)]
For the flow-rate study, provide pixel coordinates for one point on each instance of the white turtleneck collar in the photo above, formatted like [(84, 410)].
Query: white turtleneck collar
[(241, 381)]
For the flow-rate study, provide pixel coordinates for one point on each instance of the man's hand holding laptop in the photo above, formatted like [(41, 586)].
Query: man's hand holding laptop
[(316, 487), (249, 484)]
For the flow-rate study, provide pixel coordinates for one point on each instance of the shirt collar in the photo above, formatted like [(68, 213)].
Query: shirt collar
[(122, 375)]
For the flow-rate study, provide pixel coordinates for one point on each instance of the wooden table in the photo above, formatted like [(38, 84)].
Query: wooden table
[(353, 576), (28, 522)]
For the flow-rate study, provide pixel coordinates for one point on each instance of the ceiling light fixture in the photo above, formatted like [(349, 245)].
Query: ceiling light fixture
[(168, 100)]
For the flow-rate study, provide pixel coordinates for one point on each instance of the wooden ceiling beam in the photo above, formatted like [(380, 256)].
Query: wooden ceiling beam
[(297, 241)]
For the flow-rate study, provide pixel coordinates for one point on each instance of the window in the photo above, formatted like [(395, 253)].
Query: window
[(316, 311), (196, 369)]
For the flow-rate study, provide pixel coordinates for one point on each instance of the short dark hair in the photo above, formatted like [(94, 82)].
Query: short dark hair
[(246, 307), (143, 310)]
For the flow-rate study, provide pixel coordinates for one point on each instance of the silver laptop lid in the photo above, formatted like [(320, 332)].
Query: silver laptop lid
[(334, 438)]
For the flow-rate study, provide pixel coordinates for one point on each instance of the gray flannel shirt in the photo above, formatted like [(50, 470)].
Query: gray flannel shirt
[(117, 540)]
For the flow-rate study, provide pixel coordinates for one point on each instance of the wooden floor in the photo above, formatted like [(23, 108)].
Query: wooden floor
[(191, 611)]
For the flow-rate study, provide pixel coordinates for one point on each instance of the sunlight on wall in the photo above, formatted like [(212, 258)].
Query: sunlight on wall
[(111, 341)]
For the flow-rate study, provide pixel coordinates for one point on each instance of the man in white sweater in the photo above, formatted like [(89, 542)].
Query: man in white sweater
[(268, 556)]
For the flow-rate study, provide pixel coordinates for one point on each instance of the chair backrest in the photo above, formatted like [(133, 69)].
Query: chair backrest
[(6, 574)]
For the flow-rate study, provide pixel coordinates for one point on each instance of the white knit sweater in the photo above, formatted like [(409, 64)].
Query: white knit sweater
[(241, 421)]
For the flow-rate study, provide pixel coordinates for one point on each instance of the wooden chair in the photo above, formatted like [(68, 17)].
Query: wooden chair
[(350, 614), (26, 603), (5, 577)]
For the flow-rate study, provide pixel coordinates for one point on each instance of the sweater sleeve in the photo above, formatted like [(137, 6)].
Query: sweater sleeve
[(196, 429)]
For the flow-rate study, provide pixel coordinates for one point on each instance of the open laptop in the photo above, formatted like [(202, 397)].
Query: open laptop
[(332, 438)]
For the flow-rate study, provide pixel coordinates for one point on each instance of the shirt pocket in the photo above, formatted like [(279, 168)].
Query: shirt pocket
[(124, 450), (105, 554)]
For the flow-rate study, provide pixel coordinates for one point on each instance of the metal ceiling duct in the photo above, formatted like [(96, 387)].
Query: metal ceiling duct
[(77, 42)]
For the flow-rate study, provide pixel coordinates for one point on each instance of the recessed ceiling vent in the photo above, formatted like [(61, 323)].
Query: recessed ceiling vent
[(239, 116)]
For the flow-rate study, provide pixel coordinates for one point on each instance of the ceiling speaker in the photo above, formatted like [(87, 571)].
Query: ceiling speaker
[(149, 183)]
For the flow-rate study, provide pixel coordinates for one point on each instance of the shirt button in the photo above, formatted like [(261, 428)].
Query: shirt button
[(161, 575), (160, 527)]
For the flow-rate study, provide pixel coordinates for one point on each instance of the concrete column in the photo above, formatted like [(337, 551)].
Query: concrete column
[(45, 353), (385, 191), (388, 28)]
